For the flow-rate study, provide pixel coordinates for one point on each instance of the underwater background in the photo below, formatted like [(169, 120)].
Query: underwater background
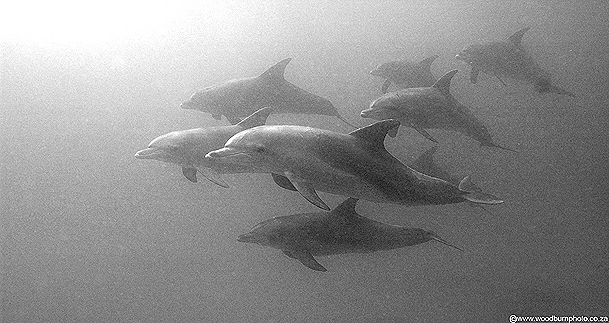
[(90, 234)]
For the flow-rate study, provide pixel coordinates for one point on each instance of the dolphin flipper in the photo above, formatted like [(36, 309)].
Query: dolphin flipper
[(385, 86), (307, 191), (545, 87), (393, 132), (283, 182), (473, 75), (306, 258), (217, 116), (213, 176), (190, 173)]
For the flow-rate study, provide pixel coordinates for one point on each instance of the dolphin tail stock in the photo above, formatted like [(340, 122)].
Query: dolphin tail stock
[(546, 87), (474, 194)]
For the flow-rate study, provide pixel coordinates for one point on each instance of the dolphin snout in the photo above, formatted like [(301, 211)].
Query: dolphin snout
[(250, 238), (147, 153), (222, 152)]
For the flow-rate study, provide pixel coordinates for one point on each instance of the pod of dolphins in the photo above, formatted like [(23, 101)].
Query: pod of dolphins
[(355, 165)]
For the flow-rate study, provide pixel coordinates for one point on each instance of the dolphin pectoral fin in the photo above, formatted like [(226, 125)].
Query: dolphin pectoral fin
[(306, 258), (307, 191), (217, 116), (233, 119), (500, 80), (385, 86), (190, 173), (548, 88), (283, 182), (213, 176), (393, 132), (423, 132), (473, 75)]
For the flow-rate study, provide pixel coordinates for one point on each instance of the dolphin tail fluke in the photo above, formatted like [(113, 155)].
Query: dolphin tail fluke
[(543, 87), (482, 198), (475, 195)]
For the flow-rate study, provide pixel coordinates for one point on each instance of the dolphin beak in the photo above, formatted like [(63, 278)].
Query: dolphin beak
[(188, 105), (365, 113), (148, 153), (249, 238), (222, 153), (435, 237), (229, 156)]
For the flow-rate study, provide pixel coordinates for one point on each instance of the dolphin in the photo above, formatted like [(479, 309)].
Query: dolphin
[(238, 98), (305, 235), (406, 74), (353, 165), (430, 108), (508, 58), (187, 148)]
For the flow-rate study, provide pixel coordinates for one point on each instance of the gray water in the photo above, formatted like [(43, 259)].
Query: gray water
[(90, 234)]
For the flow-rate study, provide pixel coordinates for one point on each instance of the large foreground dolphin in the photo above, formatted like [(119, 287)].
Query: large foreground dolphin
[(406, 74), (430, 108), (342, 230), (508, 58), (188, 148), (239, 98), (353, 165)]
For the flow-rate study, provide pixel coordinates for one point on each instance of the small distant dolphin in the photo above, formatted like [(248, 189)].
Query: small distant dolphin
[(187, 148), (406, 74), (430, 108), (508, 58), (239, 98), (353, 165), (342, 230)]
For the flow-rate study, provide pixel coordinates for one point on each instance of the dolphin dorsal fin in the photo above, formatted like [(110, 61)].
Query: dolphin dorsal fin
[(257, 118), (376, 132), (426, 63), (276, 71), (346, 208), (516, 37), (443, 84)]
